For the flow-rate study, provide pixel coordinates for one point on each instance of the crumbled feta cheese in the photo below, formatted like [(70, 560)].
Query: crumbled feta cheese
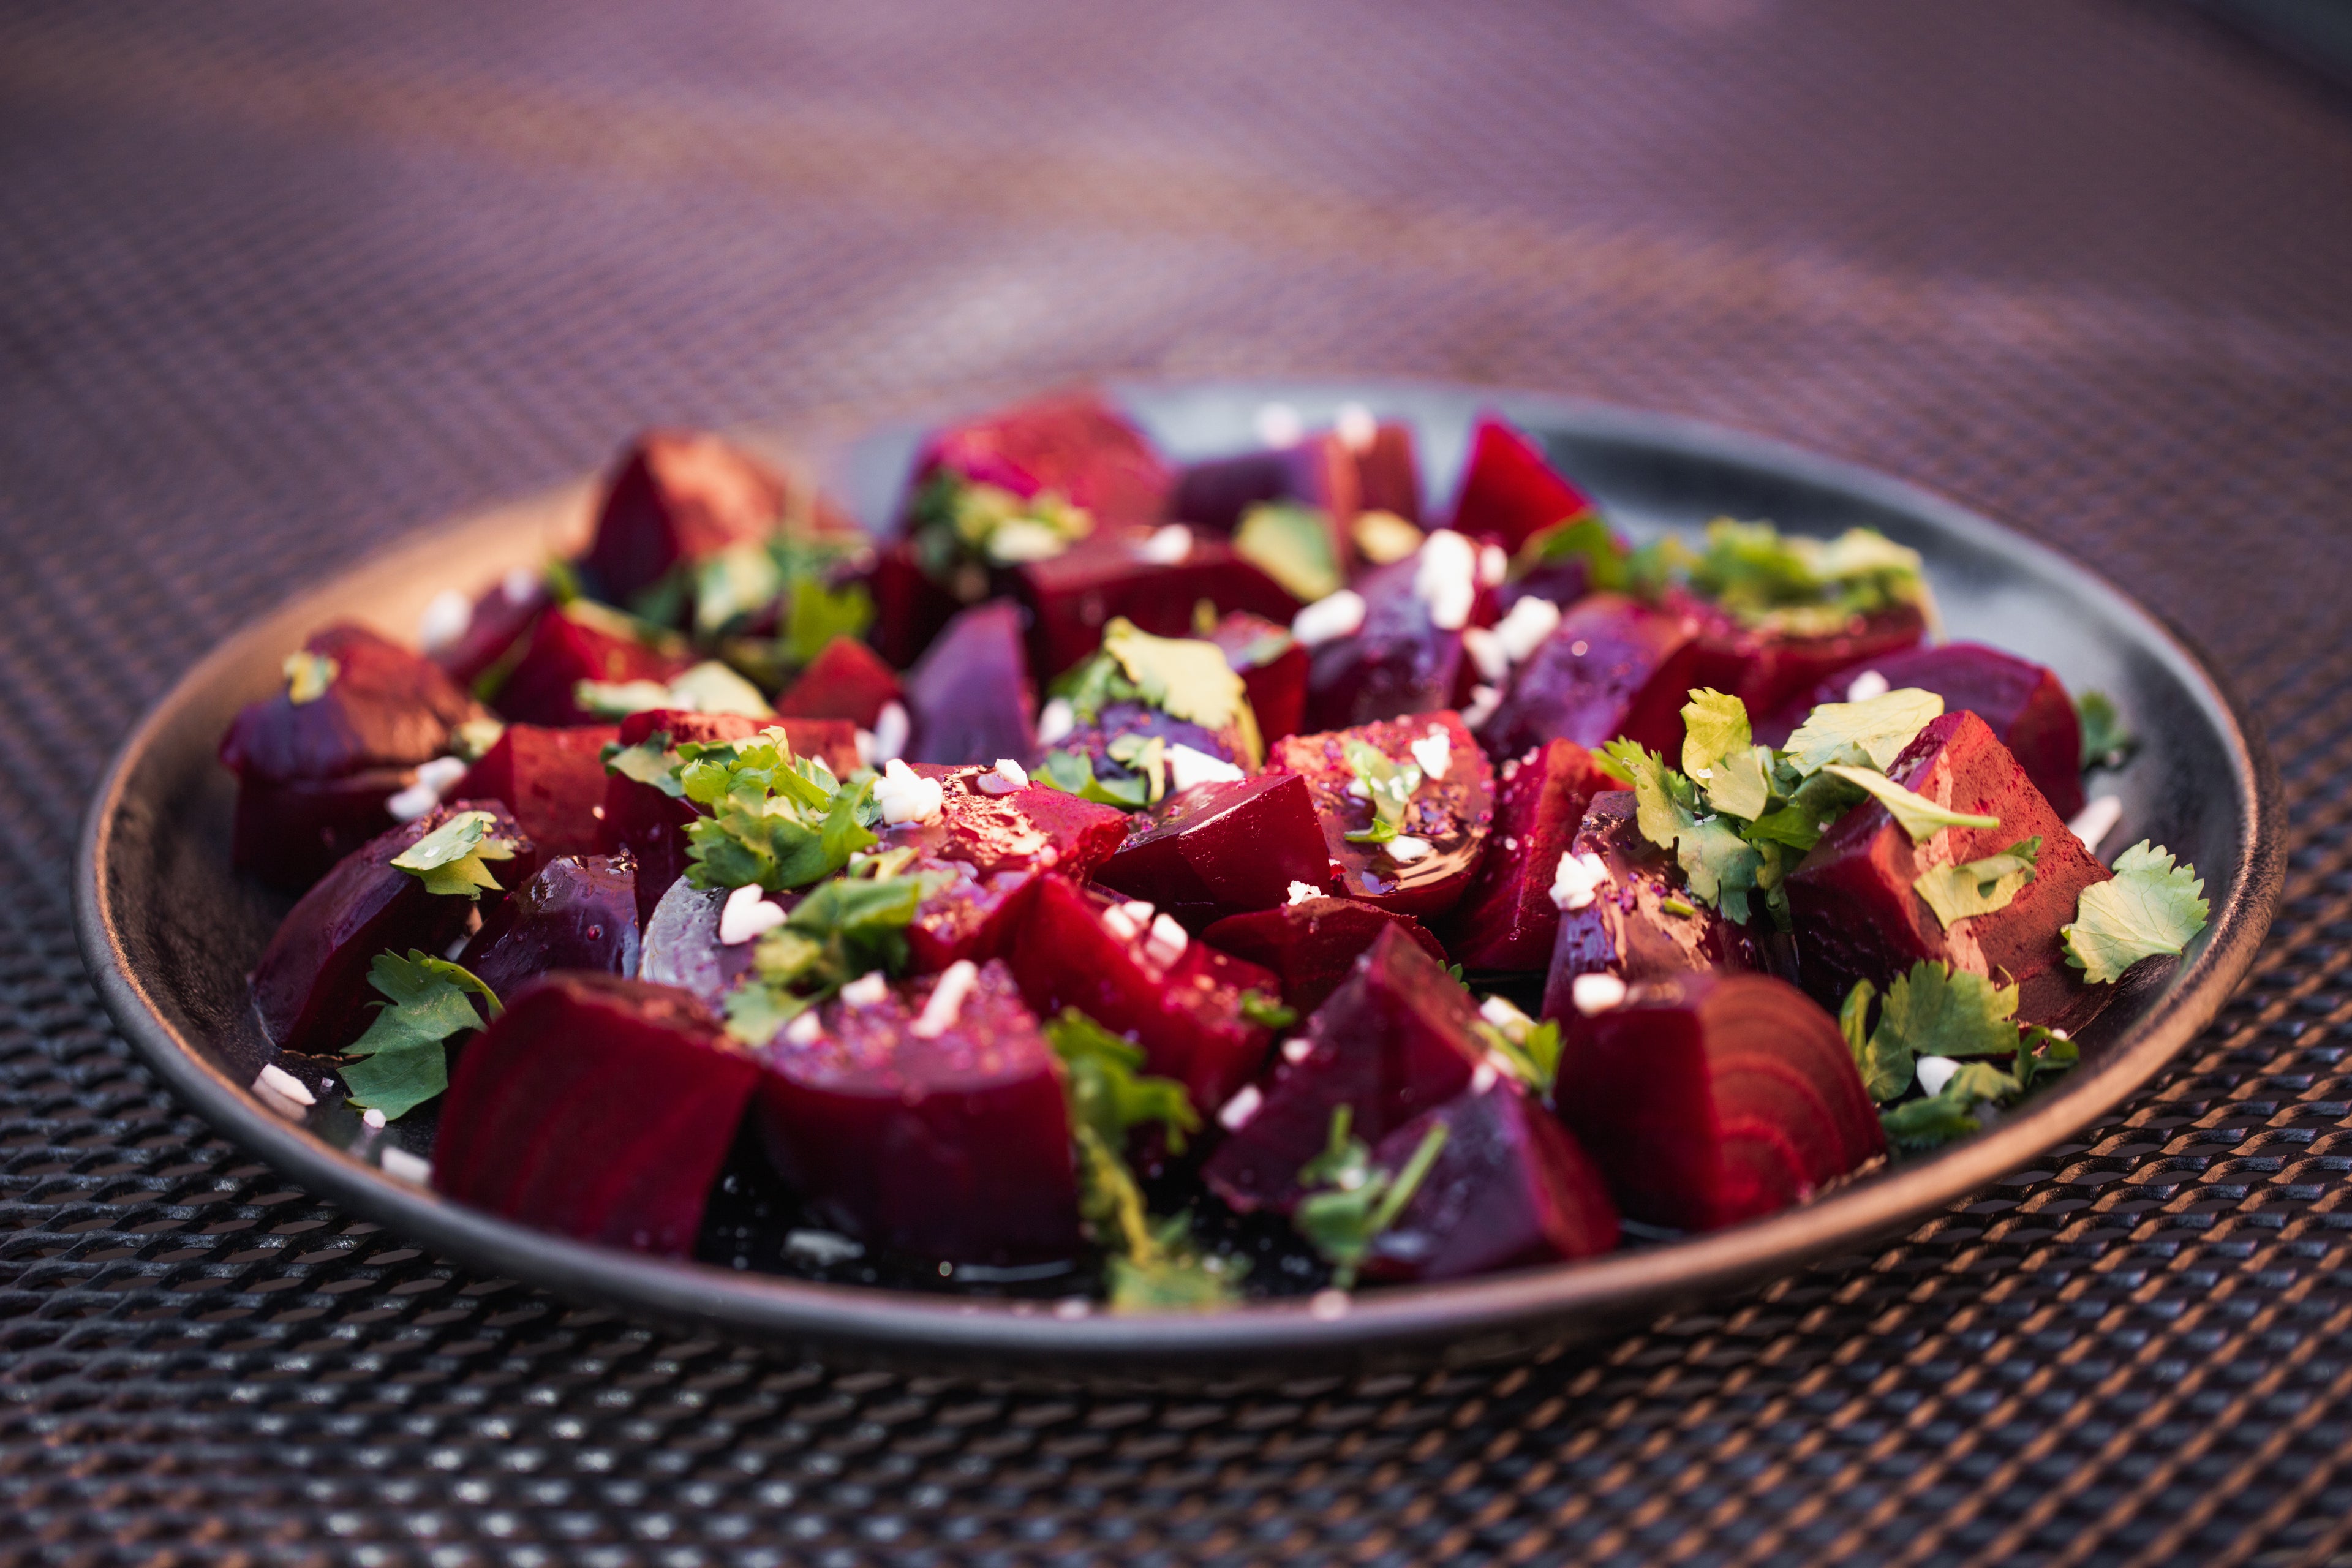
[(1356, 428), (1869, 684), (1056, 719), (1483, 1078), (1434, 752), (1278, 425), (1008, 776), (1167, 547), (1115, 922), (1167, 943), (1139, 911), (1340, 614), (403, 1166), (1297, 1048), (1485, 651), (520, 583), (806, 1028), (1445, 580), (1578, 879), (904, 795), (1484, 701), (1591, 993), (433, 781), (447, 615), (1020, 539), (2097, 820), (1500, 1012), (1934, 1072), (1188, 765), (1493, 564), (375, 1120), (946, 1006), (1328, 1305), (1240, 1109), (1523, 631), (822, 1247), (1404, 849), (891, 729), (870, 989), (746, 914), (281, 1083), (1300, 892)]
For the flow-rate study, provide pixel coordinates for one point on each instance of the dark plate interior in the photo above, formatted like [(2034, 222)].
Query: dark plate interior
[(169, 932)]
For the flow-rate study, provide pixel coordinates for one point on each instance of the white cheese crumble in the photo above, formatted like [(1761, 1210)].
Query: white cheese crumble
[(870, 989), (1278, 425), (1483, 1078), (520, 583), (1139, 911), (1493, 564), (1188, 765), (1356, 428), (1167, 943), (1340, 615), (1238, 1110), (1866, 686), (433, 779), (1500, 1012), (1115, 922), (1591, 993), (746, 914), (1328, 1305), (403, 1166), (892, 729), (946, 1006), (1300, 892), (1008, 776), (1578, 879), (806, 1028), (1484, 701), (1434, 752), (281, 1083), (1297, 1048), (1071, 1308), (1056, 719), (1934, 1072), (1167, 546), (1485, 651), (2097, 820), (375, 1120), (447, 616), (1445, 579), (904, 796), (1523, 631), (822, 1247), (1404, 849)]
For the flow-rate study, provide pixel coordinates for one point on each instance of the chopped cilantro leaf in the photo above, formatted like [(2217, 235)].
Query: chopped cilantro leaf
[(2106, 741), (1184, 677), (734, 584), (1854, 1020), (1383, 538), (1585, 537), (2149, 906), (1147, 757), (308, 676), (956, 520), (848, 927), (1723, 867), (775, 819), (649, 762), (1932, 1011), (1292, 545), (815, 615), (1932, 1120), (1073, 773), (449, 859), (1980, 888), (1799, 585), (1714, 726), (404, 1057), (1388, 784), (1881, 727), (1265, 1012), (1531, 1047), (1920, 817), (1676, 907), (471, 740), (1357, 1200)]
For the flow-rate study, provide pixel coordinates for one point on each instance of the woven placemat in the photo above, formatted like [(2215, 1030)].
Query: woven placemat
[(279, 281)]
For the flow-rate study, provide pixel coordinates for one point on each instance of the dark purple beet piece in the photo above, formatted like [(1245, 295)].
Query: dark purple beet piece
[(1766, 668), (677, 496), (1093, 740), (910, 609), (597, 1108), (1033, 828), (1711, 1099), (952, 1144), (1070, 598), (1318, 471), (566, 649), (1510, 1188), (578, 912), (1399, 662), (310, 985), (1859, 917), (1506, 920), (973, 917), (1218, 849), (552, 780), (499, 620), (1509, 491), (1313, 945), (1614, 667), (1388, 476), (2022, 703), (846, 680), (1626, 930), (1273, 669), (291, 834), (1137, 976), (1075, 444), (1453, 815), (1400, 1037), (968, 696)]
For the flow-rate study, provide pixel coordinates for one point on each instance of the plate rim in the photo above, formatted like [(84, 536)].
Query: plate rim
[(1465, 1319)]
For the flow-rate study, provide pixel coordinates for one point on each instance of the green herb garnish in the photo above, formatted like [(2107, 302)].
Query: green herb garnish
[(1357, 1200), (1980, 888), (308, 676), (1529, 1046), (1265, 1012), (450, 859), (851, 926), (2106, 741), (405, 1057), (1937, 1011), (1292, 545), (1388, 784), (2148, 907), (1792, 583)]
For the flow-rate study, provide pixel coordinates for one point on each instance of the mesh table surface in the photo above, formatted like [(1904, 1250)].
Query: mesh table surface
[(279, 281)]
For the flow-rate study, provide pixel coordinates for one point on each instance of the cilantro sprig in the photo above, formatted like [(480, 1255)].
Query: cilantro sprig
[(850, 926), (1385, 781), (308, 675), (1352, 1201), (1786, 582), (2149, 906), (451, 859), (1529, 1046), (1073, 773), (1982, 887), (2106, 741), (775, 819), (1935, 1010), (404, 1055), (957, 523), (1184, 677)]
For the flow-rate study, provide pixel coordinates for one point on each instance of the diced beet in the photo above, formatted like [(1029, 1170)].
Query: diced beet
[(566, 649), (1453, 815), (1399, 662), (1561, 583), (973, 917), (847, 679), (1398, 1039), (1627, 931), (1506, 920), (310, 985), (598, 1107), (1217, 848), (679, 496), (1075, 445), (1765, 669), (681, 945), (552, 780), (2022, 703), (1860, 916), (1070, 598), (499, 621), (1318, 472), (956, 1147), (1035, 829), (968, 696), (1510, 1188), (1509, 491), (910, 609), (1312, 945), (1707, 1100), (1614, 667), (578, 912), (1388, 477), (1273, 667), (1078, 948), (312, 776)]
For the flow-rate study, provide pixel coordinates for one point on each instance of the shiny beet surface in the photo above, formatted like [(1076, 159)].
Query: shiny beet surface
[(678, 497), (1312, 945), (1398, 1039), (1860, 918), (682, 946), (1510, 492), (971, 916), (846, 680), (1220, 848), (310, 985), (956, 1147), (1765, 669), (1399, 662), (1626, 930), (1273, 669), (1070, 598), (1076, 444), (910, 609), (1712, 1099), (970, 695), (1510, 1188), (289, 835), (1506, 920), (565, 650), (1614, 667), (578, 912), (552, 780), (1453, 815), (2022, 703), (1079, 948), (1092, 740), (1033, 828), (596, 1106)]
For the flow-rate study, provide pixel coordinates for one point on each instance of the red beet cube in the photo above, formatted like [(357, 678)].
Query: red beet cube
[(1075, 445), (2022, 703), (571, 645), (1035, 829), (1451, 814), (552, 780), (289, 835), (1273, 669), (495, 627), (310, 985), (1139, 975), (1398, 1039), (972, 916), (911, 608), (1711, 1099), (1318, 471), (1509, 491), (1508, 920), (1853, 900), (1510, 1188), (598, 1107), (970, 695), (1312, 945), (1218, 849), (1766, 668), (1070, 598), (1388, 477), (952, 1144), (1399, 661), (679, 496), (1614, 667), (579, 912), (846, 680)]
